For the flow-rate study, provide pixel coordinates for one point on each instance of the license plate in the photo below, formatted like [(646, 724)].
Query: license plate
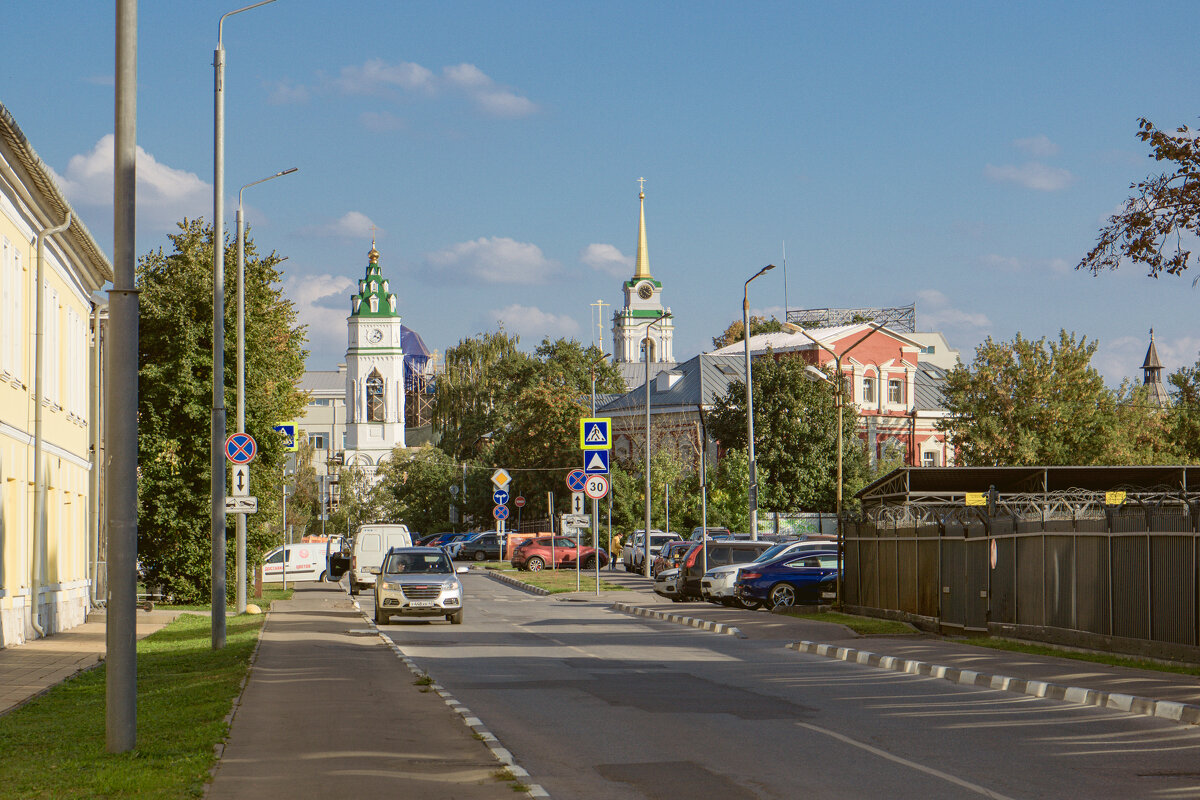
[(421, 603)]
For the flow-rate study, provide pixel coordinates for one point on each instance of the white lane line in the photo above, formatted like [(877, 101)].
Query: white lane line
[(914, 765)]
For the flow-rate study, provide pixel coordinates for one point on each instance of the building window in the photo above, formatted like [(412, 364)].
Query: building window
[(375, 397), (374, 304), (929, 459), (895, 391), (868, 390), (318, 440), (928, 350)]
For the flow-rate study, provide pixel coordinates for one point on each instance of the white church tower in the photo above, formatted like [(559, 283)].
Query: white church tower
[(374, 372), (643, 305)]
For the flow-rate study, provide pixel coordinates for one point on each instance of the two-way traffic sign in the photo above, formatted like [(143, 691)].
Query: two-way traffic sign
[(241, 480)]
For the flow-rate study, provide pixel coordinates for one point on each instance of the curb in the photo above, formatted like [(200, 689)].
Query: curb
[(501, 754), (515, 583), (1184, 713), (691, 622), (219, 747)]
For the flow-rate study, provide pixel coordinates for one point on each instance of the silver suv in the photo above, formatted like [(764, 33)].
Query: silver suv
[(418, 582), (633, 554)]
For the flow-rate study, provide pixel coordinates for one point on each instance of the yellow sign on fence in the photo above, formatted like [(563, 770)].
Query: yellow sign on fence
[(976, 499), (1114, 498)]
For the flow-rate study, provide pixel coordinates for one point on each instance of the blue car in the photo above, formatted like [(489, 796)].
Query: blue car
[(788, 579)]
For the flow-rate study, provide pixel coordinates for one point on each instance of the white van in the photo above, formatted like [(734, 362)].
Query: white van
[(306, 561), (370, 546)]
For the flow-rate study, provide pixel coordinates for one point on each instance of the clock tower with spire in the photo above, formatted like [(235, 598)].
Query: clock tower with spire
[(643, 305), (374, 372)]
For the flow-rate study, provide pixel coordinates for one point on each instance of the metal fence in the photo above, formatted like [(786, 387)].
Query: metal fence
[(1125, 578)]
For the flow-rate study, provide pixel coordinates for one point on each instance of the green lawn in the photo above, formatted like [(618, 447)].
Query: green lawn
[(863, 626), (54, 747), (1095, 658), (563, 580)]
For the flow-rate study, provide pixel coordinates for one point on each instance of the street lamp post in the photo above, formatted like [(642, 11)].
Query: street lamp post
[(839, 402), (241, 376), (753, 491), (646, 535), (217, 456)]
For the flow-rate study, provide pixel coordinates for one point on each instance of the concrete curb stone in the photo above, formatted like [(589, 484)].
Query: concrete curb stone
[(515, 582), (691, 622)]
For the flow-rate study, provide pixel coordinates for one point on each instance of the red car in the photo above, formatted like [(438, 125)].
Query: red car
[(555, 552), (670, 556)]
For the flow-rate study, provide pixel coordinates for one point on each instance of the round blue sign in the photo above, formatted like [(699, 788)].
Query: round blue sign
[(576, 480), (500, 512), (500, 497)]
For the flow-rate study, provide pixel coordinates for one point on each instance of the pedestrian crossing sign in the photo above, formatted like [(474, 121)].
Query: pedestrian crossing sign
[(595, 433)]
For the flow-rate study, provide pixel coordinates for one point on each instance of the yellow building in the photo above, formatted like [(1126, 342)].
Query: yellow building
[(49, 512)]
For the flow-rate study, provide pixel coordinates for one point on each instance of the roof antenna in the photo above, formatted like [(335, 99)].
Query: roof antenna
[(785, 305)]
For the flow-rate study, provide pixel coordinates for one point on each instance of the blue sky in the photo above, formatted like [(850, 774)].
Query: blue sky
[(961, 156)]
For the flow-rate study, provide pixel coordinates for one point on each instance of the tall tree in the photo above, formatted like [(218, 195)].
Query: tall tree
[(1183, 417), (175, 398), (414, 488), (475, 391), (795, 435), (1162, 216), (737, 331)]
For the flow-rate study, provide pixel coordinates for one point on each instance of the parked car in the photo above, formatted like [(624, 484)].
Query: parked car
[(428, 541), (698, 533), (789, 579), (554, 552), (418, 582), (721, 551), (717, 585), (666, 584), (371, 544), (633, 554), (670, 556), (305, 562), (485, 546)]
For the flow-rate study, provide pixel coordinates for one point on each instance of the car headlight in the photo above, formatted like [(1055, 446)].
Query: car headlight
[(449, 585)]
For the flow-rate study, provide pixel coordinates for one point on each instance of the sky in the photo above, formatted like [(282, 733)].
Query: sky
[(959, 156)]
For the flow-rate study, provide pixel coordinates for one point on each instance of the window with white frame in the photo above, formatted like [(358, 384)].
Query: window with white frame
[(13, 328), (868, 389), (318, 440), (51, 355), (929, 459), (895, 390)]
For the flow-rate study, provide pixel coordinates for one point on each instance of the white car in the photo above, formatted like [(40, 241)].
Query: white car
[(717, 585), (666, 584), (418, 582)]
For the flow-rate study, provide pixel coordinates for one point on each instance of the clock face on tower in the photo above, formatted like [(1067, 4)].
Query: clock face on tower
[(374, 335), (645, 291)]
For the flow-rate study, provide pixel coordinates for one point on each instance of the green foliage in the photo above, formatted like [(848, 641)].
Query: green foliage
[(1183, 417), (1026, 403), (414, 488), (795, 432), (476, 390), (175, 398), (1163, 213), (737, 330)]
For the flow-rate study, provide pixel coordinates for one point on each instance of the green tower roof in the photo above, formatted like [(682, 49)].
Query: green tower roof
[(373, 298)]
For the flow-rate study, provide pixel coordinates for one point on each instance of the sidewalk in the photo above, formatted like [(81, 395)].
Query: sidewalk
[(330, 711), (31, 669)]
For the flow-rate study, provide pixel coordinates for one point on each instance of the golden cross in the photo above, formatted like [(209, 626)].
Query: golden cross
[(642, 185)]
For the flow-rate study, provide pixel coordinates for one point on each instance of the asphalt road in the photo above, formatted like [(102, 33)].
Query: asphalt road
[(597, 704)]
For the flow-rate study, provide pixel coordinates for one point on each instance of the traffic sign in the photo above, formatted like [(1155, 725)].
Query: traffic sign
[(501, 478), (289, 437), (595, 462), (596, 487), (241, 505), (595, 433), (241, 480), (499, 497), (576, 479), (577, 506), (500, 512), (240, 448), (576, 520), (519, 502)]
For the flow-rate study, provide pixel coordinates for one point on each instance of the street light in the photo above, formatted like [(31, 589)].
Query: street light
[(838, 398), (753, 491), (241, 376), (646, 535), (217, 456)]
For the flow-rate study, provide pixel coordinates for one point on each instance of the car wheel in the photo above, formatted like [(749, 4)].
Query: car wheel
[(782, 594), (480, 555), (749, 605), (381, 618), (353, 588), (589, 562), (727, 602), (535, 564), (324, 577), (676, 599), (456, 618)]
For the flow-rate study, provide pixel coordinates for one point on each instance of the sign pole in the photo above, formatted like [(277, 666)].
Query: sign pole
[(596, 540)]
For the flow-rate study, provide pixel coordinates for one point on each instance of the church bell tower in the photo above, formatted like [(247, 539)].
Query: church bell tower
[(643, 305)]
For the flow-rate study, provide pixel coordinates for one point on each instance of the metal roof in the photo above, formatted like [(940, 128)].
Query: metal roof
[(928, 482), (786, 342), (702, 380), (930, 380), (323, 382)]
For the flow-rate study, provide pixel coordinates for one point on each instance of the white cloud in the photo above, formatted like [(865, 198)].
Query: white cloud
[(1122, 357), (531, 323), (1031, 175), (607, 259), (937, 315), (322, 303), (1038, 146), (286, 93), (377, 76), (381, 121), (352, 224), (164, 194), (495, 259)]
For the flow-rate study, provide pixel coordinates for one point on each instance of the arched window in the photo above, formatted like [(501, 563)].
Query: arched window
[(648, 347), (374, 303), (375, 397)]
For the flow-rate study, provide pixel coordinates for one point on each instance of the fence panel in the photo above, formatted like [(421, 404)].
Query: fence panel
[(929, 587), (1004, 581), (1172, 572), (868, 564), (906, 569), (851, 574), (1092, 584), (1060, 581), (1131, 586), (888, 575), (954, 576), (1030, 582)]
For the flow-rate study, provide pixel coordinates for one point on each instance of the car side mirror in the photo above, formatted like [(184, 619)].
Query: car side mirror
[(462, 570), (373, 570)]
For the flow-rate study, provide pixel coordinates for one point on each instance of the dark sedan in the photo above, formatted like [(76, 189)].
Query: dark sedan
[(789, 579)]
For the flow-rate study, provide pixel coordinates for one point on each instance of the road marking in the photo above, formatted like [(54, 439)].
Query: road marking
[(919, 767)]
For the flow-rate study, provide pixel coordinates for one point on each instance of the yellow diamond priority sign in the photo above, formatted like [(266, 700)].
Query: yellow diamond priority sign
[(595, 433), (501, 478)]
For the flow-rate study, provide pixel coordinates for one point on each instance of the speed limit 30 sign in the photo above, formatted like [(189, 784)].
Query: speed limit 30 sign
[(596, 486)]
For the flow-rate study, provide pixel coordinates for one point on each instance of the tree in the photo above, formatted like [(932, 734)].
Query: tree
[(476, 390), (414, 488), (736, 330), (175, 398), (795, 432), (1183, 417), (1162, 214)]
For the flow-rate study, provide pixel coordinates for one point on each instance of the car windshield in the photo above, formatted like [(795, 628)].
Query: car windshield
[(418, 563)]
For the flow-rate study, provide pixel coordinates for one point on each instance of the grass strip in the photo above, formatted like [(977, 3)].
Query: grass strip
[(1095, 658), (864, 626), (269, 595), (55, 746), (562, 580)]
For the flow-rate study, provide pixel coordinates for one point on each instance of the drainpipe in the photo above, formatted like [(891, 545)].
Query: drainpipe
[(39, 491), (99, 311)]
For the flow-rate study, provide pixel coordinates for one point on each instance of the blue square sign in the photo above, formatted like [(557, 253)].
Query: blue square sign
[(595, 462)]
